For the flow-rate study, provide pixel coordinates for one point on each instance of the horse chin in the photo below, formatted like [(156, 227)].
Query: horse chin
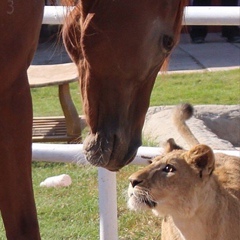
[(106, 153)]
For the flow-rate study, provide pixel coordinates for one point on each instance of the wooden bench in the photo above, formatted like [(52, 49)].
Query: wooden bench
[(57, 129)]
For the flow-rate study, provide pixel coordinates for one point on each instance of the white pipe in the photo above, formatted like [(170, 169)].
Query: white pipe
[(72, 153), (228, 152), (107, 186), (67, 153), (192, 15), (55, 14), (212, 16)]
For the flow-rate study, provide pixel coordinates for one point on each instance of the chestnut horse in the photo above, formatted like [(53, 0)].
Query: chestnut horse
[(119, 47), (20, 22)]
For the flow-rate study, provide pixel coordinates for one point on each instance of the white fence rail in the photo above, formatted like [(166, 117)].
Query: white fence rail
[(192, 15), (73, 153), (212, 16)]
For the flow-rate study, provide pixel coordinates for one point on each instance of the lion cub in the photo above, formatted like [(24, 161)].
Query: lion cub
[(196, 192)]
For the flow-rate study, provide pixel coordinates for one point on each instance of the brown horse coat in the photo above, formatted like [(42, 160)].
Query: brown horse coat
[(20, 23), (119, 47)]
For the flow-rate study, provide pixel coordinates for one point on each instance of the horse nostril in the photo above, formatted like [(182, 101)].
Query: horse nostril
[(134, 182)]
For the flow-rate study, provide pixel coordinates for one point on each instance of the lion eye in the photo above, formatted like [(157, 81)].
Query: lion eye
[(169, 168)]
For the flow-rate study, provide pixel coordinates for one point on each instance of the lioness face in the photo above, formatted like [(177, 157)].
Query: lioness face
[(171, 184)]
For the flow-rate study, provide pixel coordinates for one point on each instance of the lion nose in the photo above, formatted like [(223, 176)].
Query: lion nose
[(134, 182)]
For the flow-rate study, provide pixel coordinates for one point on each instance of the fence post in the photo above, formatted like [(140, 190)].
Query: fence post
[(107, 186)]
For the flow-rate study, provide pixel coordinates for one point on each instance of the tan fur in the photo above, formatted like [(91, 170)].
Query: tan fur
[(182, 113), (196, 192)]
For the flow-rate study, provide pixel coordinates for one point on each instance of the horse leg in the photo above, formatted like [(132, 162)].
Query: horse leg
[(20, 26), (16, 194)]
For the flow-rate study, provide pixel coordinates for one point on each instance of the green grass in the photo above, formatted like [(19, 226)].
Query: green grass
[(72, 212), (221, 87), (46, 103)]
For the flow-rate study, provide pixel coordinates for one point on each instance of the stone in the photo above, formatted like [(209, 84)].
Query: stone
[(215, 125)]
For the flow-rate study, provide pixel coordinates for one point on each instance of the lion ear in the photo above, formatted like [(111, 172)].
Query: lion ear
[(202, 158), (171, 145)]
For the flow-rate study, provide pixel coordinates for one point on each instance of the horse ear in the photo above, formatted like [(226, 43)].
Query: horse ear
[(171, 145), (202, 158)]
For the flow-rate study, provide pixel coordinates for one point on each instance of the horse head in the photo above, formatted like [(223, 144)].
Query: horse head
[(119, 48)]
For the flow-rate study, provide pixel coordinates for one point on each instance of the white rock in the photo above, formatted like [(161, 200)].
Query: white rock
[(62, 180), (214, 125)]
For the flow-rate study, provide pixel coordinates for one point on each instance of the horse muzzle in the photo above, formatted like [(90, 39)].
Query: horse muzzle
[(111, 152)]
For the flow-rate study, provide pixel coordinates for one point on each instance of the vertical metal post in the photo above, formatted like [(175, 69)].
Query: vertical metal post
[(107, 204)]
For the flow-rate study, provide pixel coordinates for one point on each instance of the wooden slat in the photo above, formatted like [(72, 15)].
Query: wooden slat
[(51, 129)]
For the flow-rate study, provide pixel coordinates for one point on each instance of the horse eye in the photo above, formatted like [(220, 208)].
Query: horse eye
[(169, 168), (168, 43)]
